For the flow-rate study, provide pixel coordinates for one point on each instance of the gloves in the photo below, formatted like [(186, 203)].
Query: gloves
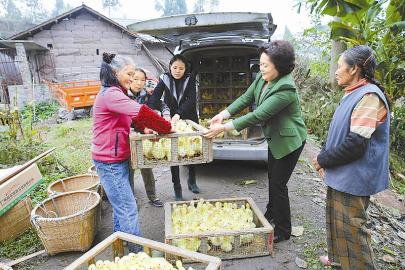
[(148, 118)]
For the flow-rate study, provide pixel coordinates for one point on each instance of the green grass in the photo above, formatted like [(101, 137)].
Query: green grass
[(25, 244), (72, 156)]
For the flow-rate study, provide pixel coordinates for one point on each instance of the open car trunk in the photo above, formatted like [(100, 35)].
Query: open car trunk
[(223, 74), (222, 50)]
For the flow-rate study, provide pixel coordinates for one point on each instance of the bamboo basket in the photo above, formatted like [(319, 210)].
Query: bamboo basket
[(261, 245), (68, 221), (16, 220), (92, 170), (139, 160), (88, 181), (116, 246)]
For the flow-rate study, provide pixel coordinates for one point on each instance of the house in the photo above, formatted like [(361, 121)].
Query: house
[(69, 48)]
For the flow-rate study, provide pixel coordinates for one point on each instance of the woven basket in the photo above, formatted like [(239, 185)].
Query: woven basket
[(67, 222), (78, 182), (92, 170), (16, 220)]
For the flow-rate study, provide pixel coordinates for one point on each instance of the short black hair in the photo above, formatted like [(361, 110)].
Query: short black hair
[(281, 54)]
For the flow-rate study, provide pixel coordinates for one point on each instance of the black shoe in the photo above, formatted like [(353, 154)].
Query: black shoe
[(194, 188), (191, 181), (178, 194), (279, 238), (156, 202)]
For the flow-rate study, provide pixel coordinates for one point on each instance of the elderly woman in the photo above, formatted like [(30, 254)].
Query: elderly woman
[(278, 112), (113, 113), (354, 161)]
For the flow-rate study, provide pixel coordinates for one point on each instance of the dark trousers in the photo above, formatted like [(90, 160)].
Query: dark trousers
[(175, 170), (278, 208)]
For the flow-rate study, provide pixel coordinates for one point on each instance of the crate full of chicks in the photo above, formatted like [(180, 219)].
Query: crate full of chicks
[(185, 146), (114, 253), (226, 228)]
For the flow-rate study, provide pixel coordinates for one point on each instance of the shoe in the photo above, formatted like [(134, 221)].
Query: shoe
[(194, 188), (279, 238), (178, 194), (191, 181), (156, 202)]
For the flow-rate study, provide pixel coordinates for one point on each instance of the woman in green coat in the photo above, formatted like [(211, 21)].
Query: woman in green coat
[(278, 112)]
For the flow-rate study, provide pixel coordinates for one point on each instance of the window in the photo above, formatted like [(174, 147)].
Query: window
[(49, 46), (97, 52)]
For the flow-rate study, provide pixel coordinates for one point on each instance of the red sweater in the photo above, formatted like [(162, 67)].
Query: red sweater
[(113, 113)]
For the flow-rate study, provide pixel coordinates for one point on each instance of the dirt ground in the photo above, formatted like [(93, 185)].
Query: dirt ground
[(221, 179)]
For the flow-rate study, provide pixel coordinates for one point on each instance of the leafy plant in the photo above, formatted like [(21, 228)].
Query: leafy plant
[(378, 24), (43, 110)]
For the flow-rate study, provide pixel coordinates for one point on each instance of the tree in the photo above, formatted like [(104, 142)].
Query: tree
[(60, 7), (12, 11), (171, 7), (36, 12), (378, 24), (110, 4), (201, 5)]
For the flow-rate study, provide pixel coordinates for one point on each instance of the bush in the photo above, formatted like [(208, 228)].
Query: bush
[(43, 110), (318, 100), (398, 130)]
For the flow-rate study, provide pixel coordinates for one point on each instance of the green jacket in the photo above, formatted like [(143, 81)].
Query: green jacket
[(278, 111)]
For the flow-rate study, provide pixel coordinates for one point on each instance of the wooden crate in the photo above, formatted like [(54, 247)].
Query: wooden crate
[(261, 245), (115, 246), (138, 160)]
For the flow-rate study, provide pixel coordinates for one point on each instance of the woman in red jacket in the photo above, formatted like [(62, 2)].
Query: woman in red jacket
[(113, 113)]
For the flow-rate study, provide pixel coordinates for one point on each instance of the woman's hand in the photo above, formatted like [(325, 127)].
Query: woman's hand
[(175, 118), (319, 169), (321, 172), (316, 164), (214, 130), (149, 131), (217, 119)]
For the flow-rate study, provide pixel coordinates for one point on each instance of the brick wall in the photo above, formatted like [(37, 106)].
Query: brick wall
[(75, 42)]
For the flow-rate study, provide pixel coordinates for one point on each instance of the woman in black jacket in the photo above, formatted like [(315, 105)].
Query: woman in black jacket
[(179, 102)]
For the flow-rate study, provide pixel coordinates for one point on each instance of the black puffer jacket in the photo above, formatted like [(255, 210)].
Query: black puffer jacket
[(185, 105)]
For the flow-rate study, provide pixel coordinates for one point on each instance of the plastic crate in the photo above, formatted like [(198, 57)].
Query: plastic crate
[(116, 246), (261, 244), (170, 148)]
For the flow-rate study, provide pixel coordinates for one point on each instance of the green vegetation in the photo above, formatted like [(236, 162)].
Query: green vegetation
[(72, 156)]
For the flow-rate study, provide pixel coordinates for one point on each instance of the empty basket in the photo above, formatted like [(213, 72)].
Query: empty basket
[(78, 182), (68, 221)]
